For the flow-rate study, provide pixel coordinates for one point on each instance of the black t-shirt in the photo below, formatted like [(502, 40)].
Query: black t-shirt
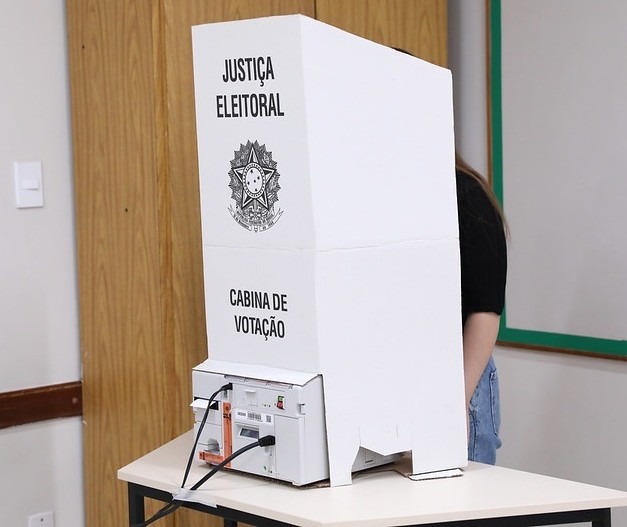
[(483, 249)]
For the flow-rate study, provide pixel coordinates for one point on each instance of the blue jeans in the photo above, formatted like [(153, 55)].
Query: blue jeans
[(485, 418)]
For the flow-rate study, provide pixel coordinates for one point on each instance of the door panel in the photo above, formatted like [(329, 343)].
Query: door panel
[(141, 288), (418, 26)]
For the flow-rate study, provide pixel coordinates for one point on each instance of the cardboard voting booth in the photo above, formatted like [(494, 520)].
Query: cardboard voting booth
[(329, 230)]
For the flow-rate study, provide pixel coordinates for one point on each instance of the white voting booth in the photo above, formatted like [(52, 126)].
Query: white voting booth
[(330, 239)]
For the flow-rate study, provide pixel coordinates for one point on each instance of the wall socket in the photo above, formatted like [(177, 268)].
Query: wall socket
[(41, 519)]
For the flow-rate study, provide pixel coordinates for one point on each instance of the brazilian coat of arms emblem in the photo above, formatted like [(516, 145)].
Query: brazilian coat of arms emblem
[(254, 184)]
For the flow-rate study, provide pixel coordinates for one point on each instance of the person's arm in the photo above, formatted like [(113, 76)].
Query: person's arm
[(480, 332)]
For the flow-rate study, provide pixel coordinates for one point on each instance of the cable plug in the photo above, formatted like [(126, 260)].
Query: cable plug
[(267, 441)]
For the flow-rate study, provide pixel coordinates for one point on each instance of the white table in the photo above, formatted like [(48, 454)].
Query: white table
[(485, 495)]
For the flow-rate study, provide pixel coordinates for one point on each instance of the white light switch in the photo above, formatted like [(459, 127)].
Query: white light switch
[(29, 190)]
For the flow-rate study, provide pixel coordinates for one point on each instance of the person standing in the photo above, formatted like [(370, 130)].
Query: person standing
[(483, 257)]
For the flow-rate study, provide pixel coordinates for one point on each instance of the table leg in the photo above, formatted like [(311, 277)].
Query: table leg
[(136, 512), (604, 519)]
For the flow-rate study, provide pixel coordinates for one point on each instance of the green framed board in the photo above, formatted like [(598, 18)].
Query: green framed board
[(558, 137)]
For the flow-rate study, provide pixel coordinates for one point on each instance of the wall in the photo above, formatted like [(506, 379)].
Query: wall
[(41, 462), (563, 415)]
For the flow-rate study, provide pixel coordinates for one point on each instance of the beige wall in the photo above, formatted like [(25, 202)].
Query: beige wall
[(41, 462)]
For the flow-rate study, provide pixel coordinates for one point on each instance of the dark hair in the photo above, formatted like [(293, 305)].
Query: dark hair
[(462, 166)]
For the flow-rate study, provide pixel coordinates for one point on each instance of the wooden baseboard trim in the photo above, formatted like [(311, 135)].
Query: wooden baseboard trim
[(40, 404)]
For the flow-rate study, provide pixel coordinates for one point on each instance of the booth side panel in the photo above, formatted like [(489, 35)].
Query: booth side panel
[(381, 142), (389, 329)]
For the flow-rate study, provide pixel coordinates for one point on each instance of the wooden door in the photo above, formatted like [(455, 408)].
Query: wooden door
[(417, 26), (137, 210)]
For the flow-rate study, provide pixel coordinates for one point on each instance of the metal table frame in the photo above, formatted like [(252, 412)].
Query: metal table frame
[(137, 493)]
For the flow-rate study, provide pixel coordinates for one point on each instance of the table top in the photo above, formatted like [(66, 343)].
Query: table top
[(378, 499)]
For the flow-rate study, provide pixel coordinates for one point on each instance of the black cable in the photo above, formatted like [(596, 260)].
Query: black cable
[(175, 504), (161, 513), (226, 387), (262, 441)]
